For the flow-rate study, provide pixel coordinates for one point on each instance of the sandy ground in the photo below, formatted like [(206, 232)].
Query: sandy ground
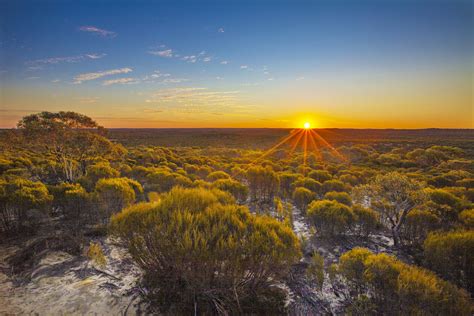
[(66, 285)]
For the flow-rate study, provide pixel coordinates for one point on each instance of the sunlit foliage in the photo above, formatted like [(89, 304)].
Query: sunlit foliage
[(396, 287), (199, 249)]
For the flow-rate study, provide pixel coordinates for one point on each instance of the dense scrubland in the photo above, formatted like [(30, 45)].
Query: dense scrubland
[(215, 228)]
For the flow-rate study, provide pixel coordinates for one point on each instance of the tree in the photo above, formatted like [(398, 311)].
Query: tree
[(202, 253), (331, 217), (394, 196), (452, 256), (17, 197), (71, 138)]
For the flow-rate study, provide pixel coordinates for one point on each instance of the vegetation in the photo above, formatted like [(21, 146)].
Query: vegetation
[(214, 228), (398, 288), (201, 251)]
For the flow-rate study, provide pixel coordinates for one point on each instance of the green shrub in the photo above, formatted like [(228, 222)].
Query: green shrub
[(302, 197), (466, 217), (331, 217), (394, 287), (451, 255), (17, 197), (367, 220), (341, 197), (200, 252), (237, 189)]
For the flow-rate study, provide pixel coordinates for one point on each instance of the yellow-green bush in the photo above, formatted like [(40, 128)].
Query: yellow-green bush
[(451, 255), (367, 220), (418, 224), (114, 194), (466, 217), (397, 288), (302, 197), (197, 247), (331, 217)]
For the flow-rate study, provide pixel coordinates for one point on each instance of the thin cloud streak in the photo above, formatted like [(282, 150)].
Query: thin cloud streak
[(97, 31), (96, 75)]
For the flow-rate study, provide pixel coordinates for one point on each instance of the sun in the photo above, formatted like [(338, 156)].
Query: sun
[(307, 125)]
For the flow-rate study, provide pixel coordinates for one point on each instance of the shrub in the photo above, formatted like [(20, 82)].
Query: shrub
[(302, 197), (466, 217), (216, 175), (263, 183), (237, 189), (451, 255), (114, 194), (98, 171), (315, 270), (331, 217), (286, 183), (352, 267), (308, 183), (418, 225), (334, 185), (367, 220), (341, 197), (202, 253), (320, 175), (393, 287), (17, 197)]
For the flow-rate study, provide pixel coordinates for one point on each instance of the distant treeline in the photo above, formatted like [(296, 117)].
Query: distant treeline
[(265, 137)]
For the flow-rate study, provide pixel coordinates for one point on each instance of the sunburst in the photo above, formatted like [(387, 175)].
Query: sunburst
[(306, 138)]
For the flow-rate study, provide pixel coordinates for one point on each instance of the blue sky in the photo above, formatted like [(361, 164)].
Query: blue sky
[(261, 63)]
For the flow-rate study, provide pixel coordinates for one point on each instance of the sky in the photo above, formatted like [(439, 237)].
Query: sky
[(346, 64)]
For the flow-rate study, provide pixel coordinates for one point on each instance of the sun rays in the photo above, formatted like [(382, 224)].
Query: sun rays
[(308, 140)]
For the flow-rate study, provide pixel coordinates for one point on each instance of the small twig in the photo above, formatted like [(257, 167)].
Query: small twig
[(107, 274)]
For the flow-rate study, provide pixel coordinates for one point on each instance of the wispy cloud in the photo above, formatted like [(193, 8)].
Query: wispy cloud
[(224, 62), (189, 59), (167, 53), (244, 67), (197, 100), (300, 78), (95, 56), (97, 31), (220, 30), (120, 81), (96, 75), (55, 81), (174, 80), (38, 63)]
